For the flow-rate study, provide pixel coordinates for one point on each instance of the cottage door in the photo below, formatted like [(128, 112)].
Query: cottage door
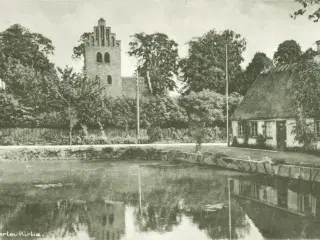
[(281, 135)]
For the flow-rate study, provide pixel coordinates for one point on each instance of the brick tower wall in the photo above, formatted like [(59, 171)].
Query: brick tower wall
[(103, 41)]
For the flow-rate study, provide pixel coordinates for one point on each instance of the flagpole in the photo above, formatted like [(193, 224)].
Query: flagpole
[(227, 94), (229, 196), (138, 108)]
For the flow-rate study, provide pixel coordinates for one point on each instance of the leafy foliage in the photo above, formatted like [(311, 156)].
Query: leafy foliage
[(155, 134), (306, 88), (162, 112), (31, 49), (208, 108), (307, 4), (14, 113), (25, 66), (158, 60), (234, 100), (304, 130), (122, 112), (204, 108), (204, 67), (78, 51), (288, 52), (259, 62), (80, 93), (261, 141), (306, 91)]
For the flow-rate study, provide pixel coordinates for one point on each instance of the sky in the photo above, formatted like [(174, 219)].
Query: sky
[(263, 23)]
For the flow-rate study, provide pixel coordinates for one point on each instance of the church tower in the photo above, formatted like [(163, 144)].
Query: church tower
[(102, 59)]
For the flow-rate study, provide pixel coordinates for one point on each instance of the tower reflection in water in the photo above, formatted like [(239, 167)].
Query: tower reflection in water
[(110, 219), (280, 207)]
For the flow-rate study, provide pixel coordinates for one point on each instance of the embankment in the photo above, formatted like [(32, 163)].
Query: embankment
[(261, 166)]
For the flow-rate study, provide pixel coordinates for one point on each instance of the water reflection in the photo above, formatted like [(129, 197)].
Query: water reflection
[(279, 207), (64, 219), (184, 203)]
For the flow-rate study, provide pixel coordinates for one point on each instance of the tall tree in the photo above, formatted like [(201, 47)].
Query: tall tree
[(81, 97), (205, 65), (14, 114), (309, 54), (205, 108), (306, 92), (78, 51), (288, 52), (314, 15), (31, 49), (164, 112), (259, 62), (158, 59), (25, 64)]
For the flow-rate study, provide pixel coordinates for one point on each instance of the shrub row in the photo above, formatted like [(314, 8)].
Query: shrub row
[(87, 154), (261, 143), (152, 135)]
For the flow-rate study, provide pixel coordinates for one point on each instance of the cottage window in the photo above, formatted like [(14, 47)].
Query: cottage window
[(240, 129), (268, 129), (253, 129), (317, 125), (301, 203), (99, 57), (109, 79)]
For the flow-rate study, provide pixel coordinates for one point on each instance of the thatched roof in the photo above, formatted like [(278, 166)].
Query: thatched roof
[(269, 96)]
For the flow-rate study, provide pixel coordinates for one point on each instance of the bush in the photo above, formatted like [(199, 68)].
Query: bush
[(139, 153), (6, 140), (155, 134), (234, 142), (261, 141), (254, 146)]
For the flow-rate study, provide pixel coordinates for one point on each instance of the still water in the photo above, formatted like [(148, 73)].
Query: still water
[(118, 201)]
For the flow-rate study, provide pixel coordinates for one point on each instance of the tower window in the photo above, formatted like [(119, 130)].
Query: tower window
[(112, 41), (102, 35), (109, 80), (99, 57), (92, 41), (107, 37), (107, 57), (97, 34)]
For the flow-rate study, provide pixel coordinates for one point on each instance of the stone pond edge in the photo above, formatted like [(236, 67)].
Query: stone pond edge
[(265, 166)]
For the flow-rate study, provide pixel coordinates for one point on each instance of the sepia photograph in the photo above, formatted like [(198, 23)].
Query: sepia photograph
[(159, 119)]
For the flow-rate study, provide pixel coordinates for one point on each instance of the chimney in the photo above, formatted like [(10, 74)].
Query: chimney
[(318, 46)]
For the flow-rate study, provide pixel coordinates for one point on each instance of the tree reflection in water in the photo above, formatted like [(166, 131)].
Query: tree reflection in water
[(185, 197), (99, 219)]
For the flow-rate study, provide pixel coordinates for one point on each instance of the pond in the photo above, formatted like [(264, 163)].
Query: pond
[(150, 200)]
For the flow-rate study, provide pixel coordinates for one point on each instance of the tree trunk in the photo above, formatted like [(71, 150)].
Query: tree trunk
[(70, 125), (149, 82)]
